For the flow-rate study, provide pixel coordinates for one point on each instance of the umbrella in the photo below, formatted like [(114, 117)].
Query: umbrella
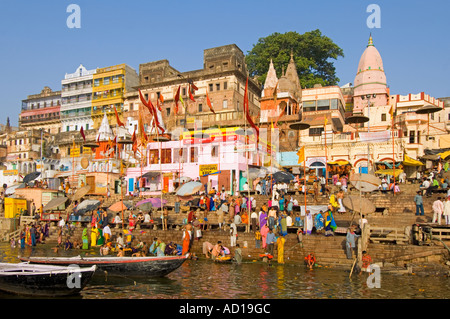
[(155, 202), (283, 177), (31, 177), (356, 203), (12, 189), (255, 172), (87, 205), (189, 188), (81, 192), (55, 202), (119, 206), (365, 182), (182, 179)]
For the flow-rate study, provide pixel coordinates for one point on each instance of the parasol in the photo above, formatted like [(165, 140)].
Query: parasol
[(12, 189), (182, 179), (365, 182), (55, 202), (119, 206), (31, 177), (283, 177), (81, 192), (189, 188), (153, 201), (87, 205), (355, 203)]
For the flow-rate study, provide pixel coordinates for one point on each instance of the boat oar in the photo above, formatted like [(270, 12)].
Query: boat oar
[(353, 266)]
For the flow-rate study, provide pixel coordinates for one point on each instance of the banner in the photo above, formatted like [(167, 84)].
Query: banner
[(381, 136)]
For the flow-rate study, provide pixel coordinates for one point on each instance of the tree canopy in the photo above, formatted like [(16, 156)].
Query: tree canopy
[(312, 54)]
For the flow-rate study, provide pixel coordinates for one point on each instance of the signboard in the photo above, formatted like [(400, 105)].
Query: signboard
[(75, 152), (245, 148), (11, 172), (207, 169)]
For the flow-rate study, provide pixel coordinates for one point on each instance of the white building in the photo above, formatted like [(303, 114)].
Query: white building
[(76, 97)]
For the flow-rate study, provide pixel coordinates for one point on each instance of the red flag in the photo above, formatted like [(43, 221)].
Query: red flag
[(117, 118), (177, 98), (158, 106), (152, 110), (208, 101), (247, 112), (134, 139), (82, 134), (190, 94), (161, 98), (281, 114), (191, 83)]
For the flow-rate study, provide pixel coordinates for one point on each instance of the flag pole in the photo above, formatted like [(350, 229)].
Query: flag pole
[(393, 148)]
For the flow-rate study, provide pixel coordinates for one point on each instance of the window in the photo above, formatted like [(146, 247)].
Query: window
[(412, 137), (225, 85), (87, 126), (106, 81), (323, 105), (383, 117), (67, 128), (166, 156), (214, 151), (309, 106), (194, 154), (200, 107), (168, 111), (217, 86), (183, 91), (97, 82), (315, 131), (225, 104), (210, 88)]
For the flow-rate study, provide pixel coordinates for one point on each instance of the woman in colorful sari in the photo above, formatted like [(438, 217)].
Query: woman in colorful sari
[(94, 235), (85, 239), (131, 221), (186, 241), (280, 249), (264, 232), (100, 239), (318, 222), (22, 238), (330, 224), (262, 219), (94, 219), (308, 223), (283, 224)]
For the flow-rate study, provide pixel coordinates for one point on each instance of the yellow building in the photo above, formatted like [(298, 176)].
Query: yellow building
[(109, 87)]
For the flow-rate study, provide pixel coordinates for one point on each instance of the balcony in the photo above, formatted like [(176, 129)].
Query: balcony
[(411, 118)]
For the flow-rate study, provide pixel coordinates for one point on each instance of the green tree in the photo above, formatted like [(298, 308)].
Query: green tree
[(312, 54)]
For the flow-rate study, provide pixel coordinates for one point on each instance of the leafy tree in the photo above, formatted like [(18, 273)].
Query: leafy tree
[(312, 54)]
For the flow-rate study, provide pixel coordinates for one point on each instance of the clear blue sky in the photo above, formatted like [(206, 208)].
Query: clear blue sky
[(37, 47)]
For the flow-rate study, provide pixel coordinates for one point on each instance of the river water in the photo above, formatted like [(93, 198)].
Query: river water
[(204, 279)]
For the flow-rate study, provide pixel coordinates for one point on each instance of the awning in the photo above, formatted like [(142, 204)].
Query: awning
[(411, 162), (444, 154), (339, 163), (431, 157), (389, 172), (151, 175)]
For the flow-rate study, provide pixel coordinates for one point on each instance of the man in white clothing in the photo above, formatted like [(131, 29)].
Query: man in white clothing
[(438, 210)]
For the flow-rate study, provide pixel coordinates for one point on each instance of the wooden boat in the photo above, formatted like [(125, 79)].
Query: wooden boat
[(44, 280), (133, 266)]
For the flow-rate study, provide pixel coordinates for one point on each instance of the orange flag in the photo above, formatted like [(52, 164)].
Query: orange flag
[(208, 101), (119, 122)]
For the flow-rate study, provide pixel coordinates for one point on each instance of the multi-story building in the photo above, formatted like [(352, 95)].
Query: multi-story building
[(76, 100), (42, 111), (223, 77), (110, 85)]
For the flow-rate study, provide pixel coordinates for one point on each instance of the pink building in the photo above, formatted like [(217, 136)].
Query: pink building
[(216, 160)]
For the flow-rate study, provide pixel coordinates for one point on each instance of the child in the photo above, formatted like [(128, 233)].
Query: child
[(258, 238), (310, 260)]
